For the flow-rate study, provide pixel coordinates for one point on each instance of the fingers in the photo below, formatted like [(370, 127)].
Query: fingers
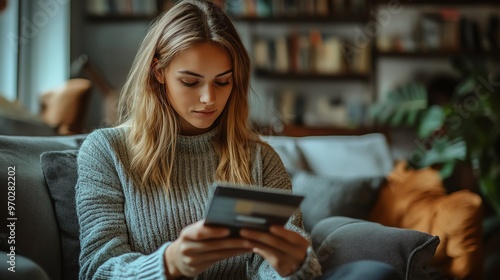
[(191, 266), (199, 232), (284, 249), (283, 263), (289, 235), (201, 247), (207, 259), (280, 239)]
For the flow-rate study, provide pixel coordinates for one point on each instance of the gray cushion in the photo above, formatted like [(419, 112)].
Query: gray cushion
[(60, 171), (339, 240), (328, 196), (36, 222)]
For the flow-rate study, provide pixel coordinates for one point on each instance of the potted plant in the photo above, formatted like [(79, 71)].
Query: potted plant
[(465, 127)]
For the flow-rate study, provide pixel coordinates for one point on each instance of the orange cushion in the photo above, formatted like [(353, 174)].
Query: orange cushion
[(416, 199), (64, 108)]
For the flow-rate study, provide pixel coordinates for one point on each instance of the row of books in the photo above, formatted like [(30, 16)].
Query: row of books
[(122, 7), (300, 109), (447, 30), (267, 8), (310, 53)]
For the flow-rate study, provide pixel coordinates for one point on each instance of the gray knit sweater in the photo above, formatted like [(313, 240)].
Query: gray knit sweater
[(125, 230)]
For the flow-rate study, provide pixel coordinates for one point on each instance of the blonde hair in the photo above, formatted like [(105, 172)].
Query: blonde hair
[(145, 108)]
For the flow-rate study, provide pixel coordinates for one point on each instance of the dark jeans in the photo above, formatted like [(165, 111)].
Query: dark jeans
[(362, 270)]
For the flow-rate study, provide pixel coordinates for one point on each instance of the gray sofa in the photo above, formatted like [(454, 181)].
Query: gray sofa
[(45, 228)]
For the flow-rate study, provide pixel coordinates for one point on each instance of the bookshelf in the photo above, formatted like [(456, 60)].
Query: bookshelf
[(438, 54), (307, 22), (307, 51), (301, 19), (118, 18), (310, 76), (300, 130), (446, 2), (122, 10)]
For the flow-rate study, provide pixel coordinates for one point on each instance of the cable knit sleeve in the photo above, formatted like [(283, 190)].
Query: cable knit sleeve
[(105, 249), (275, 176)]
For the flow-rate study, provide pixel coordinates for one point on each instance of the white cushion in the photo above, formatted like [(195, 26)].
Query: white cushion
[(286, 147), (346, 156)]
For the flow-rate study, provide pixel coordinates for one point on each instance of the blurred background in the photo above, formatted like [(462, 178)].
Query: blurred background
[(424, 73), (319, 65)]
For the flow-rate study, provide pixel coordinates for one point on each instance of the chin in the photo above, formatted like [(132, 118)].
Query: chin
[(204, 125)]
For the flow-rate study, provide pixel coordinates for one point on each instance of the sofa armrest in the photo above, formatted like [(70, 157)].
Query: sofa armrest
[(36, 221), (17, 267), (339, 240)]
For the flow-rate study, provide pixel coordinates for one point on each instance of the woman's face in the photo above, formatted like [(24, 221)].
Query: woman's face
[(198, 81)]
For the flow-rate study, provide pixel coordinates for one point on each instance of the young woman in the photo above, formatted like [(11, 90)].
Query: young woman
[(143, 186)]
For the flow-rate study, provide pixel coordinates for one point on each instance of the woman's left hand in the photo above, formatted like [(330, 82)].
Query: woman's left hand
[(284, 249)]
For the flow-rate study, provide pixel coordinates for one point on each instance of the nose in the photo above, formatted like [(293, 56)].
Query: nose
[(208, 95)]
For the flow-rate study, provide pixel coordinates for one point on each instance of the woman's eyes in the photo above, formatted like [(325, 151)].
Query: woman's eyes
[(222, 83), (192, 84), (188, 84)]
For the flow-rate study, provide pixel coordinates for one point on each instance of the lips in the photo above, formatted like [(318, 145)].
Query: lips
[(205, 113)]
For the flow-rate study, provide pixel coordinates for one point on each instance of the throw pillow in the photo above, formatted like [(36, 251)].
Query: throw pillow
[(64, 107), (417, 199), (60, 172), (340, 240), (329, 196)]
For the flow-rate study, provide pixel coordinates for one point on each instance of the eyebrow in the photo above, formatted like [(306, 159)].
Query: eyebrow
[(201, 76)]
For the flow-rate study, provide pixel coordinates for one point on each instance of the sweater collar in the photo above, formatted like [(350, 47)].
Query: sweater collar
[(198, 143)]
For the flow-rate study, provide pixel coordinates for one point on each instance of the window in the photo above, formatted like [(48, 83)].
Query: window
[(37, 49), (9, 51)]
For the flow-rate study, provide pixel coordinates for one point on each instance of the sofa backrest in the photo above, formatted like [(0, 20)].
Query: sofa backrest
[(36, 230), (336, 156)]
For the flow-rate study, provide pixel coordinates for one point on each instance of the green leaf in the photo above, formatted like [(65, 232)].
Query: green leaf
[(489, 187), (466, 87), (397, 118), (443, 151), (447, 169), (412, 118), (402, 106), (432, 119)]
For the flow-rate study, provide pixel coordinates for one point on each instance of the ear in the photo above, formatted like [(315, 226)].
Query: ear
[(158, 73)]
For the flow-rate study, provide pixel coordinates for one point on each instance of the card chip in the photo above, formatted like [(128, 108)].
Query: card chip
[(243, 207)]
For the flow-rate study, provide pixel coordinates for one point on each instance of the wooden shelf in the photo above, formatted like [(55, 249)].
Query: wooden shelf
[(300, 130), (119, 18), (445, 2), (438, 54), (266, 74), (301, 19)]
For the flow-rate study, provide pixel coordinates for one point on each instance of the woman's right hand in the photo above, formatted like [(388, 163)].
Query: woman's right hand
[(198, 247)]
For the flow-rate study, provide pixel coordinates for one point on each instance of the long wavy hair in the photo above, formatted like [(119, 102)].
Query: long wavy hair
[(146, 110)]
